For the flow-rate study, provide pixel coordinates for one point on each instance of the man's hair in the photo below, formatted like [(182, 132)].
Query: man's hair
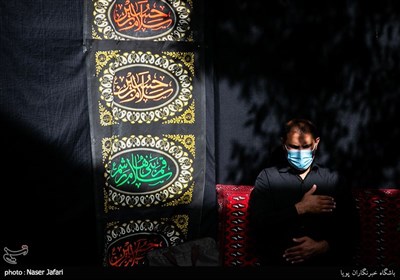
[(303, 125)]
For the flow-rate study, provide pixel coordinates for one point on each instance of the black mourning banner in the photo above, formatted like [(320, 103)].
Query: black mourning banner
[(146, 99)]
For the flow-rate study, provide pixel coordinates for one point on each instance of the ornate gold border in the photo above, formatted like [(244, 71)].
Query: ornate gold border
[(103, 29), (174, 230), (177, 192), (179, 65)]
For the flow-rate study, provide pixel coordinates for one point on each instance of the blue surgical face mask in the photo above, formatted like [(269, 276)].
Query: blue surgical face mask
[(300, 159)]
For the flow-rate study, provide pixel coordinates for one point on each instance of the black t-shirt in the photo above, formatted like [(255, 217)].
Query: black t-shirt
[(274, 220)]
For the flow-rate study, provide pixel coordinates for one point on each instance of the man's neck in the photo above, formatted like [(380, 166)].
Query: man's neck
[(304, 174)]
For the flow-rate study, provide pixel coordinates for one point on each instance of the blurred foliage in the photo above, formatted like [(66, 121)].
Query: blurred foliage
[(334, 62)]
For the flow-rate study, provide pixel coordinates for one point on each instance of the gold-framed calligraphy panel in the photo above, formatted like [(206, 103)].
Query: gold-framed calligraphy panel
[(145, 87), (127, 243), (133, 20), (145, 171)]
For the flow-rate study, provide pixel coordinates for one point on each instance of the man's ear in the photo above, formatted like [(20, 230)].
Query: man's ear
[(317, 141)]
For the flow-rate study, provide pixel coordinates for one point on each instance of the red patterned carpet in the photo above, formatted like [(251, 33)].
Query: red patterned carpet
[(379, 211)]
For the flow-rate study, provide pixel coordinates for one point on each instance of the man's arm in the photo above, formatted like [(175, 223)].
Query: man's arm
[(307, 247), (311, 203)]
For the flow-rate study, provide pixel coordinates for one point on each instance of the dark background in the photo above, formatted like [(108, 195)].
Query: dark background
[(335, 62)]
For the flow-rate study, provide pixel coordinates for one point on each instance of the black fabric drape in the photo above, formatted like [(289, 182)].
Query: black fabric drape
[(48, 200)]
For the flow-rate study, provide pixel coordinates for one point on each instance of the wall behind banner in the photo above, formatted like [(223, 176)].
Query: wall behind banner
[(336, 62)]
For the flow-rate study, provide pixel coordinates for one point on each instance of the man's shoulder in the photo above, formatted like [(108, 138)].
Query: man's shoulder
[(325, 169), (268, 175), (269, 170), (327, 172)]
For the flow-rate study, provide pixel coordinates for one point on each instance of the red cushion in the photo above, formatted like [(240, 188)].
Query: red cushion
[(379, 211), (233, 225)]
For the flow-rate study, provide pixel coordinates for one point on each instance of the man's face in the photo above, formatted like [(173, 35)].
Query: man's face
[(296, 140)]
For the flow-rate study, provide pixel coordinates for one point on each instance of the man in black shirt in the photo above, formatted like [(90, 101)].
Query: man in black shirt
[(299, 212)]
